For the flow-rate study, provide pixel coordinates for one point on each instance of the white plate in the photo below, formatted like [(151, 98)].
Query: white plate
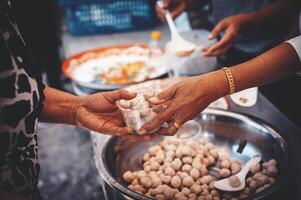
[(84, 68)]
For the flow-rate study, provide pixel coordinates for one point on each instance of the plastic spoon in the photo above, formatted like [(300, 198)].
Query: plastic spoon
[(178, 45), (224, 184)]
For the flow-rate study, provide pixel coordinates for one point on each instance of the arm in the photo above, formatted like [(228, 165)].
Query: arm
[(96, 112), (184, 103), (280, 11), (60, 107), (273, 65)]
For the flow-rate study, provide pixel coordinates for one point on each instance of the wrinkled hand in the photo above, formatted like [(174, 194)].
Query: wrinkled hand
[(98, 112), (185, 100), (175, 7), (232, 27)]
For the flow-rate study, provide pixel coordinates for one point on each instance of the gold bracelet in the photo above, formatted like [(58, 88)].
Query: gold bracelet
[(230, 78)]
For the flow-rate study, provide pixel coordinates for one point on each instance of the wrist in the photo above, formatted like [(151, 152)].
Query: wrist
[(218, 83), (59, 107), (76, 104), (246, 22)]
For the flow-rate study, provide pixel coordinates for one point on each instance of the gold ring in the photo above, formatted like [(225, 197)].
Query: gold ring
[(176, 125)]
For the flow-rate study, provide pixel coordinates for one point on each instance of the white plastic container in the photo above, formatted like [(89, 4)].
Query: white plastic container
[(137, 112)]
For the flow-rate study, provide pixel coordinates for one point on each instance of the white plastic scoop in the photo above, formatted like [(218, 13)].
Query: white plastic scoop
[(178, 45), (225, 185)]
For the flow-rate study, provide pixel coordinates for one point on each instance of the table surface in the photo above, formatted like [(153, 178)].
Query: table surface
[(67, 167)]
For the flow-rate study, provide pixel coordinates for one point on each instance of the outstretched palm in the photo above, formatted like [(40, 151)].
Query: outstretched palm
[(100, 113)]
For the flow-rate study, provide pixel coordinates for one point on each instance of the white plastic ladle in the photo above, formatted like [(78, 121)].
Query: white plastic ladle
[(224, 184), (178, 45)]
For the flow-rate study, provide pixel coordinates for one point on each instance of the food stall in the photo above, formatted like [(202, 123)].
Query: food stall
[(100, 161)]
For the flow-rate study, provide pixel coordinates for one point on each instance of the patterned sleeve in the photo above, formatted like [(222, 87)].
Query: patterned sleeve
[(5, 66), (21, 96), (296, 43)]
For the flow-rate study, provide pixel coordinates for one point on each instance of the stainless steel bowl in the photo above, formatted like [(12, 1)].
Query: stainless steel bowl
[(227, 130)]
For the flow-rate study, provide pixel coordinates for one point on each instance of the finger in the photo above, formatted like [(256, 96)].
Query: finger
[(106, 123), (160, 13), (226, 40), (171, 130), (219, 52), (124, 94), (163, 96), (217, 30), (205, 48), (159, 108), (112, 126), (180, 119), (176, 11), (119, 94), (218, 45), (222, 46), (140, 137), (112, 129), (156, 100), (158, 120)]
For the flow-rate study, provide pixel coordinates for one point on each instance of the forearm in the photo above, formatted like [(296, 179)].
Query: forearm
[(59, 107), (275, 64), (280, 11)]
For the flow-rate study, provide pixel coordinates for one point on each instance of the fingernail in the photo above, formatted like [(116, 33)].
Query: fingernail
[(131, 93), (154, 99), (142, 132), (210, 36)]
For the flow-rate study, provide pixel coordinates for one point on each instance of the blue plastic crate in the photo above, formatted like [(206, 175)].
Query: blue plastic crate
[(85, 17)]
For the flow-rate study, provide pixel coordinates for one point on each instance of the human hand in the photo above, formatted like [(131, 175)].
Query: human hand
[(98, 112), (185, 100), (232, 27), (175, 7)]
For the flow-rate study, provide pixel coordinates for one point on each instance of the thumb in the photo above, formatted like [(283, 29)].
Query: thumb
[(163, 96), (120, 94), (217, 30)]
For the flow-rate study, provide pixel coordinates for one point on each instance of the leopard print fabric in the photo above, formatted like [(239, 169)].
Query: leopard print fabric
[(21, 94)]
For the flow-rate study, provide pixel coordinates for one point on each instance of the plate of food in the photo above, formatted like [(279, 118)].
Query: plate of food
[(114, 67)]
